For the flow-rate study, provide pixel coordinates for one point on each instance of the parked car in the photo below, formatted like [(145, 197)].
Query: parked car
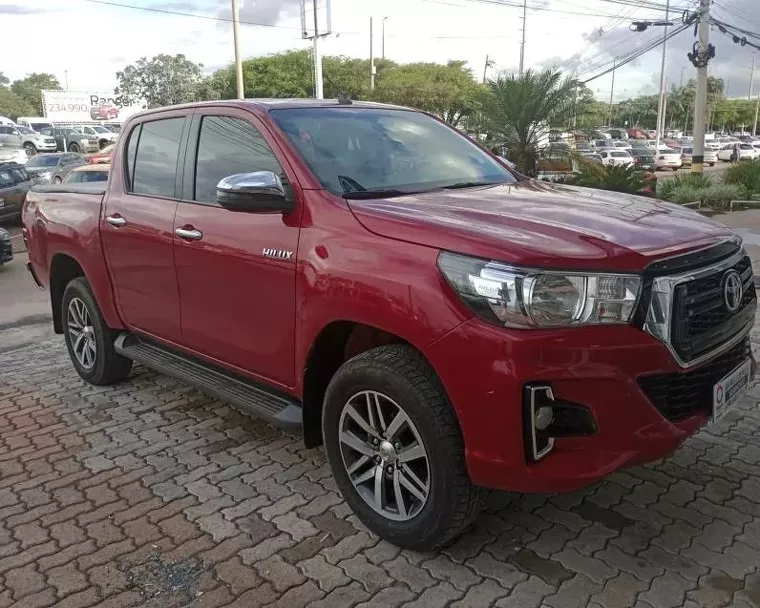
[(370, 276), (623, 145), (104, 111), (736, 151), (584, 147), (14, 184), (88, 174), (710, 157), (616, 157), (113, 127), (643, 158), (52, 168), (69, 140), (6, 247), (104, 156), (103, 135), (36, 123), (667, 158), (13, 155), (26, 138)]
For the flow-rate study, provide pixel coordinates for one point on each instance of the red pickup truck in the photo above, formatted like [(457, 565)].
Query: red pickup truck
[(373, 277)]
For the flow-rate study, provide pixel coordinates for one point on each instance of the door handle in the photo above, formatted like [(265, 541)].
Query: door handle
[(116, 220), (190, 234)]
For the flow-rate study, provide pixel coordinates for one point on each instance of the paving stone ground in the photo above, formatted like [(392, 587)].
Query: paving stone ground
[(151, 494)]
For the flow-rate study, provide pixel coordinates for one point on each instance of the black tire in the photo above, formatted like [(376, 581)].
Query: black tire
[(712, 164), (74, 148), (57, 180), (109, 367), (104, 143), (402, 374), (30, 149)]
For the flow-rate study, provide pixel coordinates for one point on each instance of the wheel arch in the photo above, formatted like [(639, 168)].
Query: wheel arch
[(335, 344), (63, 269)]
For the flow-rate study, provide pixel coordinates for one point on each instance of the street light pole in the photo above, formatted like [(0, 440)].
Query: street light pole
[(522, 45), (751, 76), (661, 104), (382, 50), (612, 89), (318, 84), (236, 42), (700, 101), (371, 57)]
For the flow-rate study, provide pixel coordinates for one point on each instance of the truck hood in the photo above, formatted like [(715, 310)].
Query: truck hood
[(539, 224)]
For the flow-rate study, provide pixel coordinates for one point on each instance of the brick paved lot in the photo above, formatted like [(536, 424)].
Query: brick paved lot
[(149, 493)]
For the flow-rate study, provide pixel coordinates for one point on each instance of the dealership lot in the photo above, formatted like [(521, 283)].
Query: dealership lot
[(150, 493)]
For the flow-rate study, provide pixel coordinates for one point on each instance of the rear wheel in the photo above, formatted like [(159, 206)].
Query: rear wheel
[(57, 180), (396, 451), (74, 148), (88, 339)]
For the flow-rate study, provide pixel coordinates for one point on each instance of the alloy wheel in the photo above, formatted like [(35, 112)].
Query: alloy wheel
[(384, 456), (82, 333)]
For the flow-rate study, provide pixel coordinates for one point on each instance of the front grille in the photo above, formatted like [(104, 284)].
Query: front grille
[(677, 396), (701, 320)]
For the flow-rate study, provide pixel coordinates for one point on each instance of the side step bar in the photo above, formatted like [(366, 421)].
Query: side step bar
[(281, 410)]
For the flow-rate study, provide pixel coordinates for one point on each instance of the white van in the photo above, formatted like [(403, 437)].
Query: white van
[(36, 123), (6, 122)]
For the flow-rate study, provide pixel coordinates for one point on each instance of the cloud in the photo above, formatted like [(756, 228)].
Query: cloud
[(17, 9), (263, 12)]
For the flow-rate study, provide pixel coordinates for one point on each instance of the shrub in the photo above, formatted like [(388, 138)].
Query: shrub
[(618, 179), (746, 174), (720, 195), (684, 193), (696, 181)]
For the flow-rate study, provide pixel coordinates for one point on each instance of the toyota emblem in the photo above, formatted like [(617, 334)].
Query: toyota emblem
[(732, 290)]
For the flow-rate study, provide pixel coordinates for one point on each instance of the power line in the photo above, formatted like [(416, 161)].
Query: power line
[(520, 6)]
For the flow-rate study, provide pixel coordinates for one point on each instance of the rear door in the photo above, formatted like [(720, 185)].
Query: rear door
[(138, 226), (237, 305)]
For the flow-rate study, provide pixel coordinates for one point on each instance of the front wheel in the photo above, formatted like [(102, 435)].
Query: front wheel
[(396, 451), (74, 148), (30, 149), (57, 180), (88, 339)]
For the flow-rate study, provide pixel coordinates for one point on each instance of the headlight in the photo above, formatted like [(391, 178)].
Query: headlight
[(524, 298), (44, 176), (84, 140)]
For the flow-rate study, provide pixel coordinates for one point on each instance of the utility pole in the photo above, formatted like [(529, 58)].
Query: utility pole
[(700, 101), (680, 86), (757, 111), (66, 75), (612, 90), (236, 42), (751, 76), (371, 58), (319, 92), (383, 48), (661, 104), (485, 68), (522, 44)]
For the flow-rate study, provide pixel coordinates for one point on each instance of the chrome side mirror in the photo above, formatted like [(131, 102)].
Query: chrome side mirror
[(260, 191)]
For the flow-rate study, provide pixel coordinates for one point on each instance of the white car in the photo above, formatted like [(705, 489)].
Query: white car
[(667, 158), (737, 151), (617, 158), (623, 145), (13, 155), (105, 137)]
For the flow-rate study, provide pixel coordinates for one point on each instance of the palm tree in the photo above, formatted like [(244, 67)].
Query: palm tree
[(517, 109)]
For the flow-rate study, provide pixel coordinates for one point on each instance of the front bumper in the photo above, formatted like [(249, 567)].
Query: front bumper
[(485, 370), (45, 146), (90, 146)]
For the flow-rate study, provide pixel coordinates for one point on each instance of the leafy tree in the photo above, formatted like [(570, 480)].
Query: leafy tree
[(517, 109), (448, 91), (4, 81), (30, 89), (162, 81), (13, 106)]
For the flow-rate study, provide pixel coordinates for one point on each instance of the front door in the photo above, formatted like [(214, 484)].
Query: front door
[(237, 306), (138, 227)]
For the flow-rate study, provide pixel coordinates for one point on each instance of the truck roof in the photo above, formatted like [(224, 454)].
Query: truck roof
[(266, 104)]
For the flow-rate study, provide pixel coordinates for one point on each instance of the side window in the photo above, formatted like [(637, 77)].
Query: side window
[(155, 167), (74, 177), (5, 178), (227, 146), (4, 130), (129, 164)]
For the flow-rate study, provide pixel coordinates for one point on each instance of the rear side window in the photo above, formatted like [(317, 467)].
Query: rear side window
[(228, 146), (155, 165), (131, 150)]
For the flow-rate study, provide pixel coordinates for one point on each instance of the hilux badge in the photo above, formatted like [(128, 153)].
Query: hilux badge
[(277, 254)]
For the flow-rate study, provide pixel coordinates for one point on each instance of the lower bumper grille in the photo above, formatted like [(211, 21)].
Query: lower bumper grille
[(677, 396)]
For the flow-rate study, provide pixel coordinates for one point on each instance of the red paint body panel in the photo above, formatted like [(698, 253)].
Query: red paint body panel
[(375, 262)]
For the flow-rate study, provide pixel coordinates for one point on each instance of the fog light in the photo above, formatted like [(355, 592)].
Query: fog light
[(544, 417)]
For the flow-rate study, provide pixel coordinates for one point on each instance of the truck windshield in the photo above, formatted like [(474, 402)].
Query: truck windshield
[(385, 151)]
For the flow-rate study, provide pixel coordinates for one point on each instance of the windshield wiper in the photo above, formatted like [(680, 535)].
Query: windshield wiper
[(458, 185), (364, 194)]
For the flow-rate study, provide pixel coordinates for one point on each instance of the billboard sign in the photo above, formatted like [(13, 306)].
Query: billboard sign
[(86, 106)]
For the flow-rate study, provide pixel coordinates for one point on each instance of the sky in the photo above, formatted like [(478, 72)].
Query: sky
[(96, 38)]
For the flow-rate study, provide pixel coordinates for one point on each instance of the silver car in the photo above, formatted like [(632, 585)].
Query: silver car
[(24, 137), (53, 168), (105, 137)]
